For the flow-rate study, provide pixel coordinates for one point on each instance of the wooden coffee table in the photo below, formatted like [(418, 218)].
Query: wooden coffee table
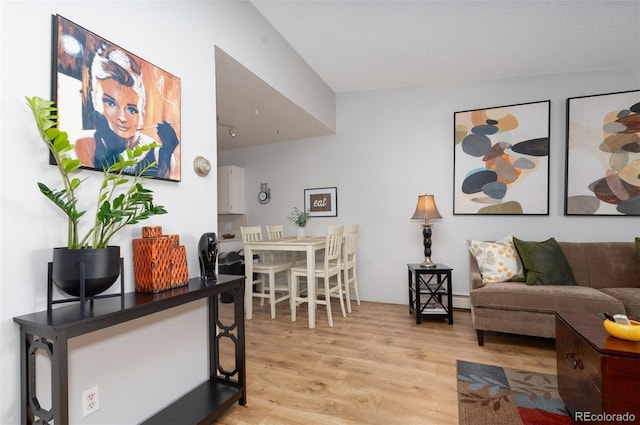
[(598, 375)]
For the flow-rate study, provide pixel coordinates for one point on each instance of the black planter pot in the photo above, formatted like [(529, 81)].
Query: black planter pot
[(101, 269)]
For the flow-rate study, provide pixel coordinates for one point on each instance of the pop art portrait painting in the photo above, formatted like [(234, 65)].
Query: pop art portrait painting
[(109, 99)]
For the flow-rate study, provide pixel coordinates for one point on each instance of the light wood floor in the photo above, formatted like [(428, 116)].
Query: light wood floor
[(376, 366)]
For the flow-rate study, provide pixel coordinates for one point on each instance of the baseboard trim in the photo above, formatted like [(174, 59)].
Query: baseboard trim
[(461, 301)]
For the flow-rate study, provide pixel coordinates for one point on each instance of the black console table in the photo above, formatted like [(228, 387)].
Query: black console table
[(50, 331)]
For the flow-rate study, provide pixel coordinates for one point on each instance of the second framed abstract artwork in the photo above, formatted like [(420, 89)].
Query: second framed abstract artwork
[(603, 155), (501, 160)]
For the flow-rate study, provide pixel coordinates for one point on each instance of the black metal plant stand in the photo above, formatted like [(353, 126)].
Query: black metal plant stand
[(82, 298)]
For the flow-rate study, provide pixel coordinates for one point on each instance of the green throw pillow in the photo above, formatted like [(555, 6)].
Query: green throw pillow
[(544, 263)]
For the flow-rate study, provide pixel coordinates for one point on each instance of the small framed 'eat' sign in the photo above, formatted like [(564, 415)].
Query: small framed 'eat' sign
[(321, 202)]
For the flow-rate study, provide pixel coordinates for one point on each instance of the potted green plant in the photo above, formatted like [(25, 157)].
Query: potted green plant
[(300, 219), (121, 201)]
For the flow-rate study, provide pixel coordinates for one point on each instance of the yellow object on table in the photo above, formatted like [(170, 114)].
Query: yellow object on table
[(629, 332)]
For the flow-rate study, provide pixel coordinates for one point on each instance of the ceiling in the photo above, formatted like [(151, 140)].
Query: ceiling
[(375, 45), (251, 112)]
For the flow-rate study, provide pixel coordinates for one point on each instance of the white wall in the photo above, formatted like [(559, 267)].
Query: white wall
[(392, 146), (164, 355)]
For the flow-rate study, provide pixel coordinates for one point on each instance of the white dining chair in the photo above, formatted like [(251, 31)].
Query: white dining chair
[(269, 285), (275, 231), (327, 269), (348, 264)]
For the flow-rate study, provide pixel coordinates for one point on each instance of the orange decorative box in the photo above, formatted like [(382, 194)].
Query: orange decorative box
[(179, 271), (152, 231), (152, 264)]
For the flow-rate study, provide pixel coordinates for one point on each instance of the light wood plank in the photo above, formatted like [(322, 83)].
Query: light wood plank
[(374, 366)]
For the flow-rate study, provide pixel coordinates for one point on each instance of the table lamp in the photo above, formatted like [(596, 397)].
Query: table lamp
[(427, 210)]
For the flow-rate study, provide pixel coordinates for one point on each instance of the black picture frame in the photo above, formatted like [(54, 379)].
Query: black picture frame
[(602, 172), (321, 202), (501, 160), (138, 102)]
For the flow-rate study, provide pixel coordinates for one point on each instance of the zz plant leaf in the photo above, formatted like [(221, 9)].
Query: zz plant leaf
[(121, 201)]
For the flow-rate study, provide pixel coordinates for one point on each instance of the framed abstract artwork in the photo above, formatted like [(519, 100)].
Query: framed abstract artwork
[(603, 155), (109, 99), (501, 160), (321, 202)]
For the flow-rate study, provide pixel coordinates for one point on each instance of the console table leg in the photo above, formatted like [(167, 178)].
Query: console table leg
[(27, 368), (240, 347), (60, 381), (213, 340)]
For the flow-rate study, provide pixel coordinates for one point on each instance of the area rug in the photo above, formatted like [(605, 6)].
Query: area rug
[(498, 395)]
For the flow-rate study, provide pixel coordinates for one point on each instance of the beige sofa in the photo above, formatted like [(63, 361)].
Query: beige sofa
[(608, 280)]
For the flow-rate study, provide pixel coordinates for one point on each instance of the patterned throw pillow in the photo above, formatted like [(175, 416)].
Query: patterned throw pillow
[(498, 261)]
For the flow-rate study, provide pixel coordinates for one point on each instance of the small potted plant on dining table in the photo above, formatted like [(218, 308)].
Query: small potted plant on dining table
[(300, 218)]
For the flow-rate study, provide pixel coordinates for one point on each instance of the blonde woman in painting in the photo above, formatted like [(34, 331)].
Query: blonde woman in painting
[(118, 97)]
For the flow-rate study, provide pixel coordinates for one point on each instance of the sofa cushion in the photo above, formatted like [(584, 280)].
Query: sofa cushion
[(603, 264), (497, 261), (544, 263), (544, 298), (630, 297)]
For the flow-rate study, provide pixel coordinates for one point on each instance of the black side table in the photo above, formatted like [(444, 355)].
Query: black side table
[(430, 292)]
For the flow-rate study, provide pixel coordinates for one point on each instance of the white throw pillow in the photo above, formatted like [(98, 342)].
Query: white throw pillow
[(498, 261)]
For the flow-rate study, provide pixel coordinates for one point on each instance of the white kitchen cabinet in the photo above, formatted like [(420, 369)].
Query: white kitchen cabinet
[(231, 190)]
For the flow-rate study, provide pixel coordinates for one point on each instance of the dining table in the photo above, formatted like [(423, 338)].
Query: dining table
[(311, 245)]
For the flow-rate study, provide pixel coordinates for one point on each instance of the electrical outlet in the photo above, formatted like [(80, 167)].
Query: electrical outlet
[(90, 402)]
